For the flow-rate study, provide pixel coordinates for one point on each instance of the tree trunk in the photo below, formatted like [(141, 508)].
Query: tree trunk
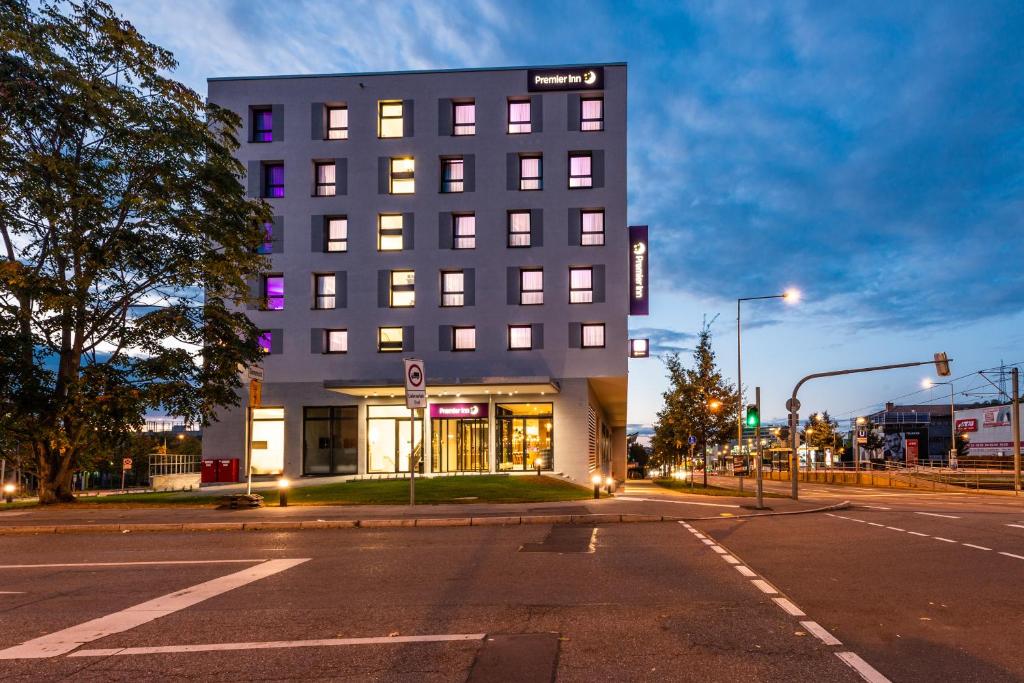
[(55, 475)]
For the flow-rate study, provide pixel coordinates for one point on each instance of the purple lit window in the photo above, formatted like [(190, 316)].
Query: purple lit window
[(273, 180), (265, 341), (268, 239), (262, 125), (273, 292)]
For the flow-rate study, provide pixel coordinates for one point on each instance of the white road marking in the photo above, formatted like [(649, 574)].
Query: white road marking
[(854, 519), (945, 540), (979, 547), (12, 592), (124, 564), (877, 507), (820, 633), (707, 541), (936, 514), (328, 642), (875, 524), (730, 559), (1019, 557), (1019, 526), (764, 586), (66, 640), (917, 533), (745, 571), (719, 549), (866, 671), (699, 535), (677, 502), (895, 528), (593, 541), (789, 607)]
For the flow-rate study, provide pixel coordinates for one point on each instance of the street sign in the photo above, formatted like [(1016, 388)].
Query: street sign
[(792, 404), (126, 463), (415, 384), (255, 393), (255, 373), (862, 436), (692, 441)]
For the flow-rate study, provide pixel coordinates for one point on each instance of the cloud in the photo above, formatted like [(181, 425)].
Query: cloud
[(663, 340)]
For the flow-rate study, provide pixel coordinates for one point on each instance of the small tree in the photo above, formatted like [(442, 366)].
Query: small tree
[(822, 432)]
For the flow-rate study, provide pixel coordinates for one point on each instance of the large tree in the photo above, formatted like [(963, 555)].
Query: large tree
[(126, 239)]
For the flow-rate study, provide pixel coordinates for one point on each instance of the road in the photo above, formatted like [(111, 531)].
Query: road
[(920, 588)]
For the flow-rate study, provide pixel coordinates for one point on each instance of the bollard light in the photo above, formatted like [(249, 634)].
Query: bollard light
[(9, 490), (596, 481), (282, 492)]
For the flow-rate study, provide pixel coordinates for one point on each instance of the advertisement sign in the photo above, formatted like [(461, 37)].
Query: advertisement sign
[(912, 451), (415, 384), (638, 282), (566, 78), (967, 425), (447, 411), (998, 416), (989, 430)]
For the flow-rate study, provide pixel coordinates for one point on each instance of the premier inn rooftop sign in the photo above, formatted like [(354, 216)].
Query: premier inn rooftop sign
[(575, 78)]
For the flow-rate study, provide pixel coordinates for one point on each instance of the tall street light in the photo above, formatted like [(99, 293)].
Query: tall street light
[(928, 384), (789, 296)]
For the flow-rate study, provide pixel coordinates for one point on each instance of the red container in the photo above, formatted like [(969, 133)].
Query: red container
[(227, 470), (209, 472)]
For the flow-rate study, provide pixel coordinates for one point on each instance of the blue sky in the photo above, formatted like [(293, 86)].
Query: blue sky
[(869, 153)]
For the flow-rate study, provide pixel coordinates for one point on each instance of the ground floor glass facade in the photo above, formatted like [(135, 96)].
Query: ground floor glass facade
[(330, 440), (392, 437), (525, 439)]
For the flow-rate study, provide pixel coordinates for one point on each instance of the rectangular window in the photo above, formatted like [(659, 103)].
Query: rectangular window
[(531, 286), (519, 116), (464, 229), (580, 170), (389, 232), (403, 288), (265, 341), (453, 288), (389, 119), (324, 291), (273, 292), (525, 436), (520, 337), (262, 125), (267, 246), (592, 113), (403, 175), (592, 228), (463, 339), (518, 228), (336, 341), (529, 173), (336, 234), (389, 339), (581, 285), (593, 336), (324, 179), (452, 175), (273, 181), (337, 123), (464, 117)]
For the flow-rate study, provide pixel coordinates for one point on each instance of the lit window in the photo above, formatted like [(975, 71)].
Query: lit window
[(389, 339), (273, 181), (324, 291), (389, 120), (592, 228), (464, 227), (452, 177), (519, 116), (337, 123), (273, 292), (267, 246), (389, 232), (336, 235), (262, 125), (453, 288), (529, 173), (324, 179), (593, 336), (464, 338), (464, 115), (531, 286), (592, 113), (337, 341), (520, 337), (639, 348), (518, 228), (403, 288), (580, 170), (403, 176), (581, 285), (265, 341)]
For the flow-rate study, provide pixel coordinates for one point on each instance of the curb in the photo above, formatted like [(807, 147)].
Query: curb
[(271, 525)]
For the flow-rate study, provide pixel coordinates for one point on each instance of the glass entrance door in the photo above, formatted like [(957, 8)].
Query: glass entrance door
[(459, 445), (392, 437)]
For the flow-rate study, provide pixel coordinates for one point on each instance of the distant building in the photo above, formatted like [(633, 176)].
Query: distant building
[(912, 433)]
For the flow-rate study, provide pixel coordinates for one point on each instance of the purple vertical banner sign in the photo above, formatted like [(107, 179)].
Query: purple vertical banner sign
[(638, 281)]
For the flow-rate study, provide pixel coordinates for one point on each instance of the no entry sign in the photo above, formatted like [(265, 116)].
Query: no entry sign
[(415, 384)]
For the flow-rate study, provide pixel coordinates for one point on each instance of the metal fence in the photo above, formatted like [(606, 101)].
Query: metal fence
[(172, 463)]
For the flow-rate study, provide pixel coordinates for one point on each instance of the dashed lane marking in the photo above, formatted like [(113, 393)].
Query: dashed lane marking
[(1019, 557), (677, 502), (895, 528), (936, 514), (746, 571), (730, 559), (877, 507), (124, 564), (866, 671), (719, 549), (788, 607), (918, 533), (979, 547), (937, 538), (765, 587), (820, 633), (944, 540), (1019, 526)]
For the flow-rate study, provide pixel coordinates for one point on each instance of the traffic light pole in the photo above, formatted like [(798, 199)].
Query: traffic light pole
[(794, 407), (757, 444)]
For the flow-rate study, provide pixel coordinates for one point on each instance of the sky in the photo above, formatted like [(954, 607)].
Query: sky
[(870, 154)]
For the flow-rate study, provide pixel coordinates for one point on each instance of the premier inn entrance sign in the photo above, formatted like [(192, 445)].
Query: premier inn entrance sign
[(569, 78)]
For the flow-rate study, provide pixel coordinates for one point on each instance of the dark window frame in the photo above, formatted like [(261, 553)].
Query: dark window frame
[(453, 186), (324, 189), (391, 232), (329, 241), (525, 127), (381, 118), (328, 128), (524, 180), (257, 131), (394, 175), (583, 336), (461, 294), (455, 329), (520, 327), (327, 341), (523, 292), (393, 288), (380, 343), (589, 178), (529, 228), (266, 297), (469, 128), (320, 299), (584, 234), (268, 187), (457, 239), (598, 121), (589, 290)]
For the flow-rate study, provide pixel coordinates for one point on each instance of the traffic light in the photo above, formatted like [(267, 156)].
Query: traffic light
[(941, 364), (753, 419)]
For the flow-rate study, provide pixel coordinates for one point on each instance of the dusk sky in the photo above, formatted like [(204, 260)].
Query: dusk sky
[(870, 154)]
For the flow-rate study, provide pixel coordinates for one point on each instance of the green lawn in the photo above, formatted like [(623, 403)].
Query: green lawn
[(474, 489), (684, 487)]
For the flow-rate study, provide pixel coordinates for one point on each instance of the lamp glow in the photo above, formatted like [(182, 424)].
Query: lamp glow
[(596, 480), (283, 483), (927, 383), (791, 295), (9, 488)]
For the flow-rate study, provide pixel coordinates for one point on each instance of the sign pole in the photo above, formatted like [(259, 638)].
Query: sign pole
[(1015, 377), (415, 397), (412, 457), (757, 443)]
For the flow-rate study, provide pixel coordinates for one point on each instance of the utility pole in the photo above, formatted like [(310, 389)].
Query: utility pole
[(1015, 381), (757, 443)]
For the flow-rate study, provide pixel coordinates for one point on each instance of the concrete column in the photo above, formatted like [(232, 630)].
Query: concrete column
[(428, 442), (361, 450), (492, 436)]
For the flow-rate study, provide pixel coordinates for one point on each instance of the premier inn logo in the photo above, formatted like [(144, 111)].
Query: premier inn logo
[(566, 79)]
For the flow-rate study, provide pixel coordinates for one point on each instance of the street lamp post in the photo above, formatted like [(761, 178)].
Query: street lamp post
[(790, 295), (928, 384)]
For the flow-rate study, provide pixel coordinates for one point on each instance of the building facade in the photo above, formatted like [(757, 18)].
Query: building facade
[(475, 219)]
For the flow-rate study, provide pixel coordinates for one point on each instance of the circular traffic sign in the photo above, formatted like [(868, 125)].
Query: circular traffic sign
[(415, 374), (792, 404)]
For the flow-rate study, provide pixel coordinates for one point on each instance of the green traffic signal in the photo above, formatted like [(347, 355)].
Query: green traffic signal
[(753, 419)]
